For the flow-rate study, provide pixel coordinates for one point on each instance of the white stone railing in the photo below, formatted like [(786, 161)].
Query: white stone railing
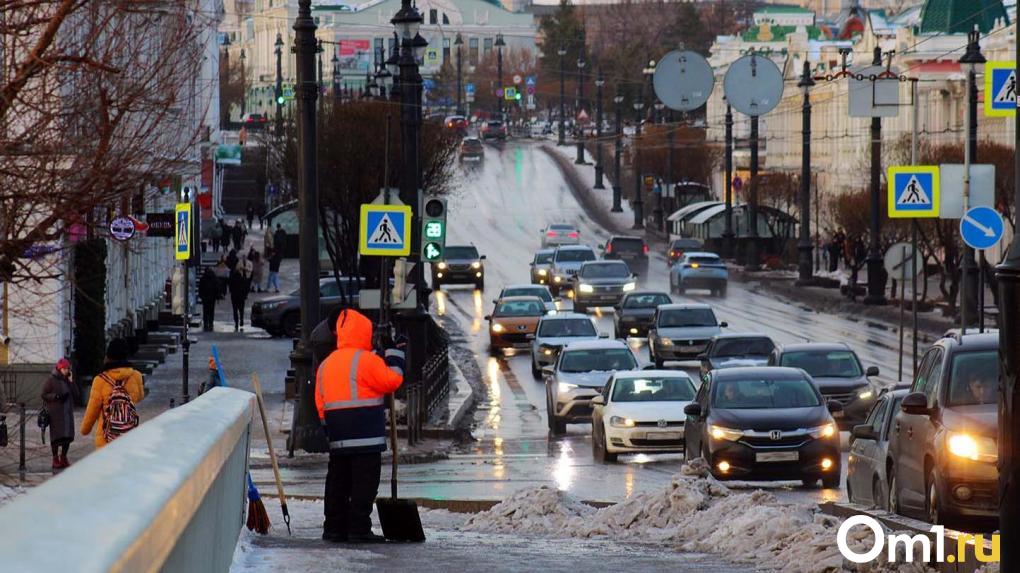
[(168, 496)]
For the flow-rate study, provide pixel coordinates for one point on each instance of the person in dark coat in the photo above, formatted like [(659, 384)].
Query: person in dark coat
[(209, 290), (237, 234), (232, 259), (261, 212), (59, 394), (279, 240), (238, 285), (250, 214), (274, 270), (224, 235)]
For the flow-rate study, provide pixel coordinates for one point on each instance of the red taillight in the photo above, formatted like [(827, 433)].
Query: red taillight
[(609, 247), (645, 249), (550, 234), (674, 253), (572, 235)]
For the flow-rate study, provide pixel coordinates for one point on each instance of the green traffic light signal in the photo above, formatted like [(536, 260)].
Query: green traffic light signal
[(518, 96), (280, 100)]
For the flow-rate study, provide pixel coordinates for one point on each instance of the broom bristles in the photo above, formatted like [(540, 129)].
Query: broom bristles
[(258, 518)]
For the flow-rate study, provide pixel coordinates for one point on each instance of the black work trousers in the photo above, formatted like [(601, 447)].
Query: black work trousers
[(238, 306), (352, 482), (208, 313)]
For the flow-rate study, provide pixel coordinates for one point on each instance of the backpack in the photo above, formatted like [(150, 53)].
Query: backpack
[(119, 414)]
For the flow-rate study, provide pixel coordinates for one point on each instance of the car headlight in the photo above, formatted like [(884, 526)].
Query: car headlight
[(724, 433), (823, 431), (586, 288), (866, 394), (619, 422), (547, 351), (558, 279), (665, 342), (565, 387), (629, 287), (441, 266), (476, 265), (272, 305), (976, 448), (542, 272), (497, 327)]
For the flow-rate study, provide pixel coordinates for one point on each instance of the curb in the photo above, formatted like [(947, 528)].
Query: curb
[(898, 522), (451, 505), (461, 386), (580, 192)]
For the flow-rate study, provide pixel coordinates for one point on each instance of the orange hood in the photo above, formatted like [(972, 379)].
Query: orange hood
[(353, 330)]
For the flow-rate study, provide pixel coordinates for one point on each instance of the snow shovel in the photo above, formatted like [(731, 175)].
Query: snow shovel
[(399, 517)]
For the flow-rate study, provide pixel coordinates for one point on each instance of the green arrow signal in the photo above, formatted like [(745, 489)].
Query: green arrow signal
[(432, 252)]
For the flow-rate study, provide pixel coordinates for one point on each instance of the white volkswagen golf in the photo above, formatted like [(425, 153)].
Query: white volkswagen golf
[(640, 412)]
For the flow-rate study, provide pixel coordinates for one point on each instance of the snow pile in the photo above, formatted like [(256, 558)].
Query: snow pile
[(694, 513), (7, 493)]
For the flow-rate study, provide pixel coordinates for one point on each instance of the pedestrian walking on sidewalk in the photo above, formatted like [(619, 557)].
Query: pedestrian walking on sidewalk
[(237, 234), (225, 235), (209, 291), (261, 212), (349, 389), (274, 271), (258, 268), (250, 213), (280, 240), (115, 393), (59, 394), (217, 236), (267, 241), (240, 283)]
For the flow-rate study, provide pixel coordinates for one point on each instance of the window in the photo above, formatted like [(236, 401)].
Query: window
[(433, 16), (597, 360), (446, 49), (540, 292), (922, 371), (605, 271), (520, 308), (932, 387), (487, 47), (742, 347), (974, 379), (567, 327), (824, 364), (765, 394), (473, 51), (687, 318), (877, 417), (653, 389), (543, 258), (645, 300), (446, 19), (378, 54)]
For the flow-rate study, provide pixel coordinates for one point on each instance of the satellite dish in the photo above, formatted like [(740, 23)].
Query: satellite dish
[(683, 80), (753, 85)]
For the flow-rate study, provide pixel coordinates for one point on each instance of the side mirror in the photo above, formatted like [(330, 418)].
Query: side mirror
[(601, 246), (634, 275), (603, 335), (598, 401), (864, 432), (488, 317), (548, 370), (650, 367), (530, 337), (915, 403), (481, 258), (871, 371), (724, 324), (693, 409), (702, 357), (495, 301), (834, 408)]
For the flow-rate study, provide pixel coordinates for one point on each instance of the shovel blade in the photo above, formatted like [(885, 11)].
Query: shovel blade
[(399, 519)]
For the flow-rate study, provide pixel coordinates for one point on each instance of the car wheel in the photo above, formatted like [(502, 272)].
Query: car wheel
[(580, 308), (291, 324), (722, 292), (607, 456), (831, 481), (932, 501), (680, 288), (877, 495), (893, 500), (480, 284), (536, 372), (659, 363), (850, 492), (556, 427), (809, 482)]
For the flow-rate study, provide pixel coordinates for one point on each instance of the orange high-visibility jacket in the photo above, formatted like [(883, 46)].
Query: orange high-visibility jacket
[(350, 386)]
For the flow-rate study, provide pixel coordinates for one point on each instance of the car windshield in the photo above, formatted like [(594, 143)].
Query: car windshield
[(628, 245), (520, 308), (574, 255), (597, 359), (653, 389), (542, 293), (704, 260), (824, 364), (687, 317), (742, 347), (561, 227), (605, 271), (461, 253), (567, 327), (543, 258), (974, 378), (757, 393), (645, 300), (686, 244)]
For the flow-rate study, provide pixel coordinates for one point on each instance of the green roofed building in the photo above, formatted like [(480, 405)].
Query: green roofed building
[(960, 16)]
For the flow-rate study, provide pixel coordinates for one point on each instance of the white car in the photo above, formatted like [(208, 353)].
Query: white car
[(560, 234), (640, 412), (541, 291)]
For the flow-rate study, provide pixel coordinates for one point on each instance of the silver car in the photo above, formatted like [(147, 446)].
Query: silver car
[(681, 332), (540, 266), (560, 234), (581, 371), (556, 331), (565, 264), (541, 291)]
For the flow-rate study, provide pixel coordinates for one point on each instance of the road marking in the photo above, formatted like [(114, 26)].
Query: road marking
[(984, 229)]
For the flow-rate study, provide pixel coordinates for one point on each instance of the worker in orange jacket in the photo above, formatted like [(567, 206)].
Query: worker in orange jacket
[(349, 389)]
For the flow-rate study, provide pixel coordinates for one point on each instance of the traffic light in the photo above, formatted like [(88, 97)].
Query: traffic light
[(280, 99), (433, 229)]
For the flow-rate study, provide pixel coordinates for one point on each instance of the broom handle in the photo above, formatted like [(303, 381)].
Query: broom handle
[(272, 453), (393, 444)]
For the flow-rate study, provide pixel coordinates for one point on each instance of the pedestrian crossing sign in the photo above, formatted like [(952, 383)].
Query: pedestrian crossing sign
[(182, 231), (1000, 89), (385, 230), (913, 191)]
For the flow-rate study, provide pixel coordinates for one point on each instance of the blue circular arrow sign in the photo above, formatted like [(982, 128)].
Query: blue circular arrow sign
[(981, 227)]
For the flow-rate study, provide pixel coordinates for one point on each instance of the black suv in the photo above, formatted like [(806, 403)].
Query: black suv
[(461, 264), (601, 283), (631, 250), (944, 443)]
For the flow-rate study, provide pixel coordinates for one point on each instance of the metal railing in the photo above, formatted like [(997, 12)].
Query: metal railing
[(429, 389)]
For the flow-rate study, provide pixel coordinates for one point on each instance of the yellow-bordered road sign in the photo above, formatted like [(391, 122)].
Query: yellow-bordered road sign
[(1000, 89), (385, 230), (182, 231), (913, 191)]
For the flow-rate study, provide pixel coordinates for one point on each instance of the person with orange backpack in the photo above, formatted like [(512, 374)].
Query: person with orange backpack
[(115, 392)]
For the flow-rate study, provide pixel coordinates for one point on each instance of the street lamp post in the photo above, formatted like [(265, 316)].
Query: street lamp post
[(969, 285), (459, 43), (563, 136), (752, 205), (306, 432), (617, 152), (318, 52), (876, 274), (638, 204), (244, 89), (727, 246), (279, 84), (579, 160), (804, 247), (499, 74), (337, 92), (225, 118), (1008, 274), (599, 82)]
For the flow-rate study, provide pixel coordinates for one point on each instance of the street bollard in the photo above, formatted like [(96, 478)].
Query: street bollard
[(3, 431), (21, 433)]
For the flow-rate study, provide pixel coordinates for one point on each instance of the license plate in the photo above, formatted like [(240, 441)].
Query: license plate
[(663, 435), (777, 456)]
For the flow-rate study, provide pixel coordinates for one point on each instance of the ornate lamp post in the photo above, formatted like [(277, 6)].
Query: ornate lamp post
[(458, 42), (579, 160), (638, 204), (337, 92), (599, 82), (617, 151), (563, 77), (499, 74), (279, 84), (804, 247)]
